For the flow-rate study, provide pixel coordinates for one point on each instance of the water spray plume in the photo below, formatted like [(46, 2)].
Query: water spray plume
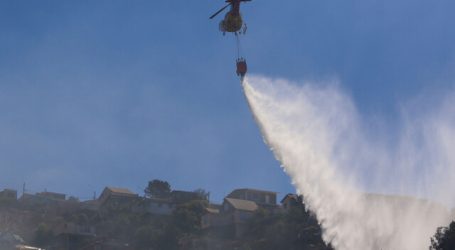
[(317, 134)]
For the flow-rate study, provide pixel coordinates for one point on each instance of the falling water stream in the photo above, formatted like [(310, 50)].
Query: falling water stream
[(362, 190)]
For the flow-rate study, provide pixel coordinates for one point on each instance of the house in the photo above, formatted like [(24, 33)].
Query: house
[(43, 198), (8, 197), (117, 198), (51, 201), (34, 200), (260, 197), (52, 195), (290, 201), (72, 236), (180, 197), (165, 206), (8, 194), (210, 218), (92, 205), (238, 207), (239, 212), (230, 218)]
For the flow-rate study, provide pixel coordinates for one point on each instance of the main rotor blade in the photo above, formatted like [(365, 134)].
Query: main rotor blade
[(218, 12)]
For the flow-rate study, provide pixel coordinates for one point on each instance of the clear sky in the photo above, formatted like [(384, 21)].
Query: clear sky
[(116, 93)]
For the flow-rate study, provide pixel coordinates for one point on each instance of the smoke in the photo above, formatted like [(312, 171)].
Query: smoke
[(337, 159)]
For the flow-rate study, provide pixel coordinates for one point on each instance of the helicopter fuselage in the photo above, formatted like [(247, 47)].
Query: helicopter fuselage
[(232, 22)]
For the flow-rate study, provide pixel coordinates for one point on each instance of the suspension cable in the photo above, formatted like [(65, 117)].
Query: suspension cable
[(238, 45)]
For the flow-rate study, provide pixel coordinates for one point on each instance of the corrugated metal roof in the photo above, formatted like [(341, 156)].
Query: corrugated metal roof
[(212, 210), (242, 204), (121, 191)]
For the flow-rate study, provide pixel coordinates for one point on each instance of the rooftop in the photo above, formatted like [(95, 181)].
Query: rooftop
[(244, 205), (212, 210), (290, 196), (123, 191)]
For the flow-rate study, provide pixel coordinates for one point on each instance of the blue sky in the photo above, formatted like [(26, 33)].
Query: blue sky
[(98, 93)]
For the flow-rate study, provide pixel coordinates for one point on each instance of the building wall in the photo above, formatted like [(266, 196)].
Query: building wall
[(8, 194), (119, 202), (114, 200), (260, 197), (290, 202)]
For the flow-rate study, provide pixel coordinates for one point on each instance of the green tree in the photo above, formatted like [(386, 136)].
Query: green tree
[(202, 194), (158, 189), (444, 239), (187, 217)]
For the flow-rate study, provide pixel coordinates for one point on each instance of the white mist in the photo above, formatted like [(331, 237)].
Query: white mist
[(320, 139)]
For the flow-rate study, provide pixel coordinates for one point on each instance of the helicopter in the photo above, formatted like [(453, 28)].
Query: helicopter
[(232, 21)]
